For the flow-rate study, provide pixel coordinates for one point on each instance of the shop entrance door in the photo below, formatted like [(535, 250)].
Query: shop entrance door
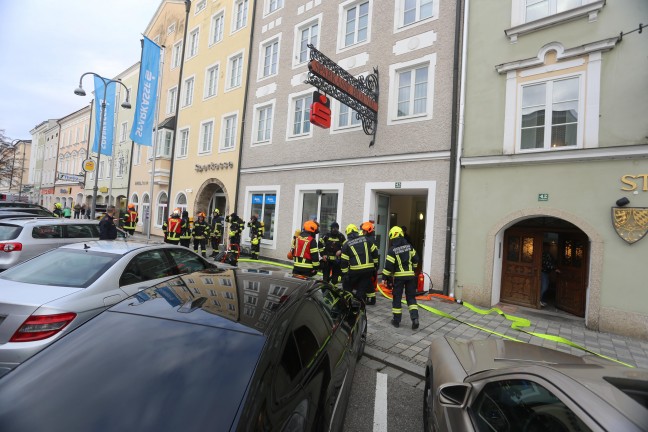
[(571, 282), (521, 267)]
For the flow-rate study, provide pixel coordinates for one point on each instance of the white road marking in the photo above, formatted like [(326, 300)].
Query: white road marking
[(380, 404)]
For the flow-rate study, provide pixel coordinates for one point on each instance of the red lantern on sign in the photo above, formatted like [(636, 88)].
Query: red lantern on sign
[(320, 111)]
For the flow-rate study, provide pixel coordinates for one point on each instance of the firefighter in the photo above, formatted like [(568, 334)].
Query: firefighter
[(129, 220), (235, 229), (185, 230), (369, 231), (58, 210), (172, 228), (216, 231), (200, 233), (306, 253), (256, 234), (399, 266), (359, 259), (330, 244)]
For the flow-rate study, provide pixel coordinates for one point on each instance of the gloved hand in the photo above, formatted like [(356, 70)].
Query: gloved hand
[(313, 273)]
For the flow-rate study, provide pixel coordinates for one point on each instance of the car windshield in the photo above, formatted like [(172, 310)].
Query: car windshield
[(62, 267), (124, 372), (9, 232)]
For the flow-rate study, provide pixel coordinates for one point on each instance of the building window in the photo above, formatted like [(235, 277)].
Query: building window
[(184, 143), (211, 81), (235, 71), (200, 6), (273, 5), (355, 23), (228, 132), (135, 201), (264, 204), (413, 11), (347, 117), (181, 202), (263, 123), (206, 136), (320, 206), (217, 26), (138, 154), (161, 209), (550, 114), (171, 28), (270, 56), (123, 132), (240, 14), (172, 98), (411, 90), (187, 98), (300, 115), (176, 53), (194, 38), (536, 9), (165, 141), (306, 34)]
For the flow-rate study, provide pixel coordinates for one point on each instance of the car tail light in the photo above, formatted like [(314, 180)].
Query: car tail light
[(38, 327), (10, 247)]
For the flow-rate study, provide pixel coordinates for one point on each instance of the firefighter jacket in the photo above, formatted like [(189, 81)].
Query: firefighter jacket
[(58, 212), (401, 260), (306, 253), (236, 226), (256, 230), (172, 228), (216, 226), (330, 244), (358, 255), (200, 230), (185, 227), (129, 220)]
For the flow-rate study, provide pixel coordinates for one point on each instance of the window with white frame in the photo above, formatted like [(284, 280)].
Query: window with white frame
[(172, 98), (211, 81), (235, 71), (217, 27), (76, 135), (263, 123), (85, 133), (181, 202), (135, 201), (346, 117), (413, 11), (536, 9), (264, 205), (228, 132), (206, 136), (319, 205), (273, 5), (411, 89), (176, 54), (123, 132), (194, 38), (300, 119), (188, 87), (161, 207), (307, 33), (183, 148), (355, 23), (549, 116), (111, 163), (200, 6), (269, 57), (240, 14), (101, 169), (164, 143), (137, 158)]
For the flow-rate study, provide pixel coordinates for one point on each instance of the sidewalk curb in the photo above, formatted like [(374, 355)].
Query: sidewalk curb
[(395, 362)]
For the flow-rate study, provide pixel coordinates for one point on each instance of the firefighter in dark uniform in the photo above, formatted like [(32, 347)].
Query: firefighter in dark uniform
[(330, 244), (256, 234), (185, 233), (235, 229), (129, 221), (400, 263), (58, 210), (200, 233), (172, 228), (359, 259), (216, 231), (369, 231), (306, 253)]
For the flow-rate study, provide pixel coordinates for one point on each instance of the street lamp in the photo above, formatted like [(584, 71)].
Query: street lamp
[(126, 105)]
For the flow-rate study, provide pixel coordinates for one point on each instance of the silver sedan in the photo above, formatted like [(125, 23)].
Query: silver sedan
[(53, 293)]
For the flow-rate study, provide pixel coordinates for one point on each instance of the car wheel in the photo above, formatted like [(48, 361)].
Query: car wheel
[(363, 341), (428, 399)]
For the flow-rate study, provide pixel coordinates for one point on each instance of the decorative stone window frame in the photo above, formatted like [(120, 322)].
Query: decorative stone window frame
[(342, 9), (254, 142), (261, 65)]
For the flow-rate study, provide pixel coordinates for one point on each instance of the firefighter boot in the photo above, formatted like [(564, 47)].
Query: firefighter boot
[(371, 299), (413, 309)]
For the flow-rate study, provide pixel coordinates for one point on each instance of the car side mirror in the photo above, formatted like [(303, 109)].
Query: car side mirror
[(454, 395)]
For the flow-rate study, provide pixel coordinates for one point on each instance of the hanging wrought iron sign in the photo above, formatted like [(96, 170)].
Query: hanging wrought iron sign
[(359, 94)]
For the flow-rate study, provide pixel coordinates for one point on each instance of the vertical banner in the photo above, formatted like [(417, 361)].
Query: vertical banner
[(109, 116), (144, 120)]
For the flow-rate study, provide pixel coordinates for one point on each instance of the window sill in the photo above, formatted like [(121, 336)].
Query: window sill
[(591, 10)]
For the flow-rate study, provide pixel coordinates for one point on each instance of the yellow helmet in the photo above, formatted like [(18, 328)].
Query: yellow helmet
[(352, 228), (395, 232), (58, 205)]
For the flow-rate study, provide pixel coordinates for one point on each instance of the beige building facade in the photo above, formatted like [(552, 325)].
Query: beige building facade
[(69, 184)]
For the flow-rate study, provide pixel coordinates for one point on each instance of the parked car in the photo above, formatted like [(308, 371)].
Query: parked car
[(16, 204), (222, 350), (35, 211), (20, 215), (498, 385), (22, 239), (47, 296)]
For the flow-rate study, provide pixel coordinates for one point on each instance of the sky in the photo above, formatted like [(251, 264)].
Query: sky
[(46, 45)]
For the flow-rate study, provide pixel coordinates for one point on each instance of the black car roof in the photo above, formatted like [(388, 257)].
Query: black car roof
[(246, 300)]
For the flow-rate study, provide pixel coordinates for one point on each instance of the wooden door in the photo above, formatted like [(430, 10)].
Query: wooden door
[(571, 282), (521, 267)]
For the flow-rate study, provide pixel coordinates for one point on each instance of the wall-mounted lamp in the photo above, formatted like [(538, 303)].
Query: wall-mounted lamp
[(622, 201), (421, 216)]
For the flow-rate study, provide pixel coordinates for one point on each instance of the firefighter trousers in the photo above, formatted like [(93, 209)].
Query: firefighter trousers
[(200, 243), (360, 282), (409, 286), (185, 242), (331, 271)]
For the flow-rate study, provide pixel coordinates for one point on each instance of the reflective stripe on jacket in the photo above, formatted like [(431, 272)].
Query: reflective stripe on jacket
[(401, 259), (358, 254), (306, 253), (172, 228)]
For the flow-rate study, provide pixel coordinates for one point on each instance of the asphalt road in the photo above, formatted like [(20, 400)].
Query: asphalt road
[(374, 391)]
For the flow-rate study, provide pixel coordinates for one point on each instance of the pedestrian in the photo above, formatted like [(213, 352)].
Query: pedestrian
[(330, 244), (58, 212), (256, 234), (200, 233), (172, 228), (83, 211), (77, 211), (369, 231), (548, 266), (215, 231), (399, 266), (358, 261), (185, 231), (306, 251), (130, 219), (107, 228), (67, 212), (235, 229)]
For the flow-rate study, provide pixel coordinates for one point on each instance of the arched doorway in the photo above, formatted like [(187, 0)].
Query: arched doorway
[(212, 195), (565, 245)]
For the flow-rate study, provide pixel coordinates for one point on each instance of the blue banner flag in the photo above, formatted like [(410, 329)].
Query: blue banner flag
[(142, 132), (109, 116)]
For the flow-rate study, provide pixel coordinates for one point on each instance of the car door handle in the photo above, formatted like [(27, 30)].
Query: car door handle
[(111, 300)]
